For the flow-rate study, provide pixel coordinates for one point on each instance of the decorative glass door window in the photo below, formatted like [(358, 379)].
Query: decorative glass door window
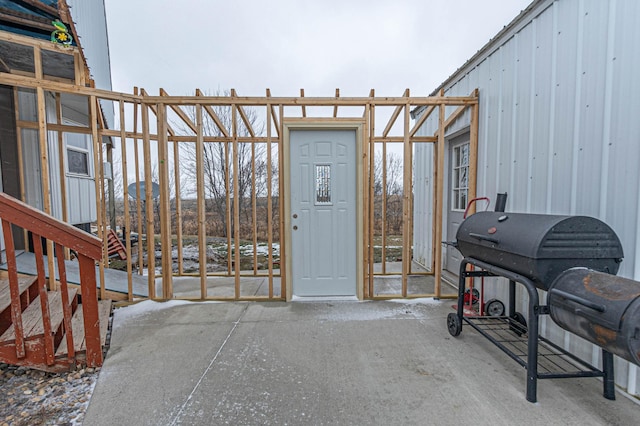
[(460, 178), (323, 184)]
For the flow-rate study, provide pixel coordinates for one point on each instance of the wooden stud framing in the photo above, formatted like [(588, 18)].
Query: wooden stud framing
[(283, 243), (149, 229), (236, 199), (270, 204), (372, 149), (473, 153), (165, 206), (23, 194), (406, 201), (127, 219), (231, 139), (440, 149), (202, 230), (97, 170), (136, 154), (383, 207)]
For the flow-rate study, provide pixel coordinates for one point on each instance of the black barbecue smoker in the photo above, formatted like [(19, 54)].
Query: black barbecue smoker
[(574, 259)]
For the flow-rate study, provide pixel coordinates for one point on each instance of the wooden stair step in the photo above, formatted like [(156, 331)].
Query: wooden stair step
[(32, 324), (77, 325), (24, 282)]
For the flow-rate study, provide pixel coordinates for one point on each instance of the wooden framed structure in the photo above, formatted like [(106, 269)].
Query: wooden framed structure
[(200, 151)]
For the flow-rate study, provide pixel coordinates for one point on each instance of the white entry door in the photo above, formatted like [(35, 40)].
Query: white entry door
[(323, 212)]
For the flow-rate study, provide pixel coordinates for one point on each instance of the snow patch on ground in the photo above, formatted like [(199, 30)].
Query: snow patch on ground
[(418, 301), (129, 313)]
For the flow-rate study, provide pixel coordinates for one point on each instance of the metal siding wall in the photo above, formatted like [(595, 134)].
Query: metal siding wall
[(559, 128), (91, 23)]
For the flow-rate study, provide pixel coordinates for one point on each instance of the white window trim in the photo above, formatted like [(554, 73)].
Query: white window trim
[(455, 189), (88, 151)]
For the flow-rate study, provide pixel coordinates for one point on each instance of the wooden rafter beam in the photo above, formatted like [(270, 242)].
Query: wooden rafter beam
[(422, 119), (273, 114), (244, 117), (154, 109), (41, 6), (183, 116), (455, 114), (395, 115), (372, 94), (22, 19), (214, 116), (304, 109)]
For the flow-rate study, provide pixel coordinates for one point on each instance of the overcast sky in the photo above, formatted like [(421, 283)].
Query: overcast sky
[(285, 45)]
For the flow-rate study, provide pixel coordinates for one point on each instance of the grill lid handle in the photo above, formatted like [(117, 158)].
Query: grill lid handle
[(579, 300), (484, 237)]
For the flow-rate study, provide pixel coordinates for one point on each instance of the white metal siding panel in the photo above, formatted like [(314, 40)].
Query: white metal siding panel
[(559, 127), (82, 203), (91, 24)]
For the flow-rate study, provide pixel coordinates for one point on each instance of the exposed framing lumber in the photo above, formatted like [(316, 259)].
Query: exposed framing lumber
[(394, 116), (421, 120), (165, 195), (149, 229), (236, 201), (269, 204), (440, 148), (274, 109), (406, 201), (125, 195), (202, 230), (138, 193)]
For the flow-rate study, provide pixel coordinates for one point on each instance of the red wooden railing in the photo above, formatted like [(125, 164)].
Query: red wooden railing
[(88, 248)]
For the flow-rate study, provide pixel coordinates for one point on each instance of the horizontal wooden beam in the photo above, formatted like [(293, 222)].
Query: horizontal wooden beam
[(54, 86)]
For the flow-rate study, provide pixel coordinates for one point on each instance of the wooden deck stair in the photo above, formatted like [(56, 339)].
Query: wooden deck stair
[(33, 326), (42, 323)]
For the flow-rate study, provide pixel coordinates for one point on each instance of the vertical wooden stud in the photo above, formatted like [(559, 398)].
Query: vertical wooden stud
[(202, 237), (439, 199), (165, 195), (148, 179), (283, 243), (97, 150), (125, 195), (269, 204), (236, 197)]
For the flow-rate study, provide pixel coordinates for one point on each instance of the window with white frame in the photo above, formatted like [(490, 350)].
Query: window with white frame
[(78, 154), (460, 177)]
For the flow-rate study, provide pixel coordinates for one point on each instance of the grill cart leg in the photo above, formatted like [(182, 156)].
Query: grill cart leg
[(608, 379)]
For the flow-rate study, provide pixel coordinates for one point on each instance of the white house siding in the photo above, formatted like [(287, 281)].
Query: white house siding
[(91, 24), (559, 128), (81, 198)]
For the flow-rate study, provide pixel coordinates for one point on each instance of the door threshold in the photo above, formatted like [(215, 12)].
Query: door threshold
[(324, 298)]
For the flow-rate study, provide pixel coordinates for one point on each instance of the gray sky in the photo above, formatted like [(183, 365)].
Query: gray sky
[(286, 45)]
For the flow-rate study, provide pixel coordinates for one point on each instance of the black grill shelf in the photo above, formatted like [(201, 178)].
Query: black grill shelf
[(541, 358), (553, 361)]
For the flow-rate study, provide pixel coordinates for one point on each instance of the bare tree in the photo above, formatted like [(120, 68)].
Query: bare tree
[(218, 166), (392, 166)]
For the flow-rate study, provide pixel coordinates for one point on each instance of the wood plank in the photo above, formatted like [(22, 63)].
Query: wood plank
[(77, 324), (24, 282), (32, 317)]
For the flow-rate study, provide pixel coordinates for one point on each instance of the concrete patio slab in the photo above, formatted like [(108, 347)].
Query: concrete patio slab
[(320, 363)]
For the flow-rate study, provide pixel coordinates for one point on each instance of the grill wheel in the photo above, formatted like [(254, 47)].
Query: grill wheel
[(494, 308), (454, 325), (518, 324)]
